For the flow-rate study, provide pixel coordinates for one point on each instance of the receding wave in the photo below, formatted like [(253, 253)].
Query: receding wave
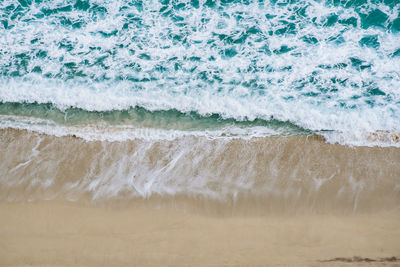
[(282, 174)]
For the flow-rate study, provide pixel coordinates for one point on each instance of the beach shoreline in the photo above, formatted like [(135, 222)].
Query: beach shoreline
[(260, 176), (199, 133), (284, 201)]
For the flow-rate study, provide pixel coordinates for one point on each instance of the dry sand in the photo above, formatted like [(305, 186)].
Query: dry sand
[(53, 233)]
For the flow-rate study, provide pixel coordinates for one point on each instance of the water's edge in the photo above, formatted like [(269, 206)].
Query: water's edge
[(273, 174)]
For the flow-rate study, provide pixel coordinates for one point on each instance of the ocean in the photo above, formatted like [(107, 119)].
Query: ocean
[(289, 105)]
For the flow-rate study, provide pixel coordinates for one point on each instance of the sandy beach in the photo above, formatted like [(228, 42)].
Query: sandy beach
[(299, 202), (234, 133), (52, 233)]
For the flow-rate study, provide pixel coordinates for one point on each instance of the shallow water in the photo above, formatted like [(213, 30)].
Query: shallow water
[(269, 174)]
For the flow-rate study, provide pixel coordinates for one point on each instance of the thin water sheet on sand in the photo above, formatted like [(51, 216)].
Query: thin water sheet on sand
[(194, 201)]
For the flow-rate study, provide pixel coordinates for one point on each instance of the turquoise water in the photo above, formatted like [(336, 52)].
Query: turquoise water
[(291, 67)]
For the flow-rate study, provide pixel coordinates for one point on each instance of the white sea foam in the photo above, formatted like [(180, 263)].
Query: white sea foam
[(193, 59)]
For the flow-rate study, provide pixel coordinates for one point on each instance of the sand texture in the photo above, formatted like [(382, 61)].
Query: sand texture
[(276, 201), (66, 234)]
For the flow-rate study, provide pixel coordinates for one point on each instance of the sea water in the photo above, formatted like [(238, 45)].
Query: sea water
[(153, 73)]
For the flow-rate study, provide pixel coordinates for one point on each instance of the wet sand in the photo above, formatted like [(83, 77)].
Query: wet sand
[(271, 175), (291, 201), (53, 233)]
